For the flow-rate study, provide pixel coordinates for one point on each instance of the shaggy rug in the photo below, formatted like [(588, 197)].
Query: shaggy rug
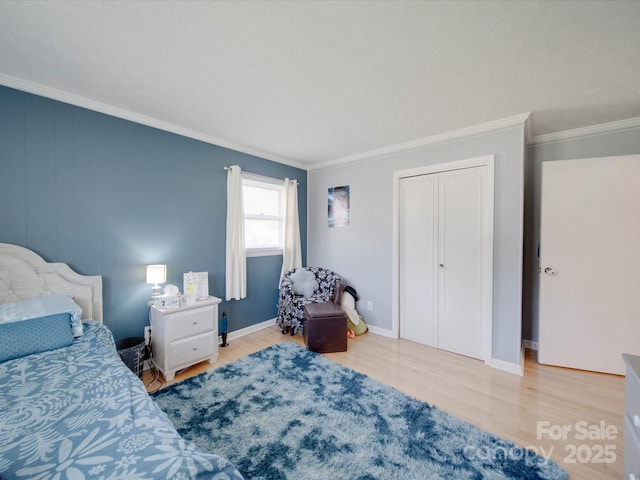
[(287, 413)]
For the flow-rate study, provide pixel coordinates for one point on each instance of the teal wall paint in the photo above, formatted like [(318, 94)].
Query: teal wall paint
[(109, 196), (622, 142)]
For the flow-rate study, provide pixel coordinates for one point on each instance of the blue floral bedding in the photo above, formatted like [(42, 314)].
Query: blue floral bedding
[(79, 412)]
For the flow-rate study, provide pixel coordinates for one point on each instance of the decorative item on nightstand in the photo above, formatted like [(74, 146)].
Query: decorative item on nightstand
[(170, 298), (184, 336), (156, 274), (196, 286), (224, 327)]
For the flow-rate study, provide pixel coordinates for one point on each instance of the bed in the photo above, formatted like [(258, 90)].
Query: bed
[(77, 411)]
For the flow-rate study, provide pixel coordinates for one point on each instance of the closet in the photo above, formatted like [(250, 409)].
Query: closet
[(445, 243)]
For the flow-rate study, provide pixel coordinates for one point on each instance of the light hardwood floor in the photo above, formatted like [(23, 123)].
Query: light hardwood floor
[(513, 407)]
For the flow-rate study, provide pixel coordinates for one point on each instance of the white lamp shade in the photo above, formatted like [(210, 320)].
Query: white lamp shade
[(156, 274)]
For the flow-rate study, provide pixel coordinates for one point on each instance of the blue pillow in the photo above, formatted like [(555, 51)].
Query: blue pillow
[(41, 307), (35, 335)]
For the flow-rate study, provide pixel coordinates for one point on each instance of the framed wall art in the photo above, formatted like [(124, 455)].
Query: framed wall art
[(338, 206)]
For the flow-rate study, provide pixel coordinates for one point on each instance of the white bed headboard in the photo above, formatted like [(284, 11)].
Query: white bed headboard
[(25, 275)]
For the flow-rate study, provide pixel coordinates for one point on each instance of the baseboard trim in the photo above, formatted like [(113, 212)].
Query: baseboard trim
[(381, 331), (508, 366), (494, 363), (530, 344), (250, 329), (269, 323)]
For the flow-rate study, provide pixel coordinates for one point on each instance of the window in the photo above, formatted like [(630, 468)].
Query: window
[(263, 200)]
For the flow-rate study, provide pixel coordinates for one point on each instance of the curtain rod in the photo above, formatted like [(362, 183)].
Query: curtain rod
[(263, 176)]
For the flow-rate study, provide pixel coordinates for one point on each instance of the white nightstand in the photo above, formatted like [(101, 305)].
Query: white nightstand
[(632, 418), (181, 337)]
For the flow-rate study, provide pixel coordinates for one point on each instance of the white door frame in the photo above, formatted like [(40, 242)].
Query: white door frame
[(487, 254)]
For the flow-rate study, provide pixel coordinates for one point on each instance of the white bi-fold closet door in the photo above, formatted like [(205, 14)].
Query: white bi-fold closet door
[(443, 225)]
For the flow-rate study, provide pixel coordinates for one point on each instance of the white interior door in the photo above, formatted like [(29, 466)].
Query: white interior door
[(418, 221), (461, 206), (443, 232), (590, 263)]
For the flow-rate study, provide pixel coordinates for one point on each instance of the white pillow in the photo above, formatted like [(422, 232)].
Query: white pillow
[(304, 282)]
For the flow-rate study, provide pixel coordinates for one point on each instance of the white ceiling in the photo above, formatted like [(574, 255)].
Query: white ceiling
[(308, 82)]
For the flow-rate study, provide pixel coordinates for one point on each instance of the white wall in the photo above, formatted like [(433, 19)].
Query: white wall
[(362, 252)]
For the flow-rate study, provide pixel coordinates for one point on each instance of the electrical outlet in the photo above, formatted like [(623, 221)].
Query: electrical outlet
[(370, 305), (147, 335)]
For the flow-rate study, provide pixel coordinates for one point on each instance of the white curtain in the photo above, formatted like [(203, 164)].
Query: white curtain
[(236, 265), (292, 251)]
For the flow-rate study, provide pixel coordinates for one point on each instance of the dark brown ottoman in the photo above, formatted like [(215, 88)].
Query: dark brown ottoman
[(325, 327)]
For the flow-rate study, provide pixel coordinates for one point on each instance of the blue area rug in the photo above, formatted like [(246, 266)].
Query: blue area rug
[(287, 413)]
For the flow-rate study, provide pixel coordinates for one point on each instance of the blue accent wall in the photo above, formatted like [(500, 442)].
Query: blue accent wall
[(108, 196)]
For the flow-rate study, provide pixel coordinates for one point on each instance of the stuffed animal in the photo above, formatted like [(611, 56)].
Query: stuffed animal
[(355, 323)]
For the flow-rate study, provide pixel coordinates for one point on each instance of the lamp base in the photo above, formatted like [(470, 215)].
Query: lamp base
[(156, 291), (224, 340)]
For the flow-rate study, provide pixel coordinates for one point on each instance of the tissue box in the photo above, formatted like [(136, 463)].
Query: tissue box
[(167, 301)]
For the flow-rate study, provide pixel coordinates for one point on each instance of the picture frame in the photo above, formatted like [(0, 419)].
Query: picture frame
[(338, 208)]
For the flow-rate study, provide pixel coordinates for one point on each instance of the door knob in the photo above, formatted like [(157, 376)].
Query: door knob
[(550, 271)]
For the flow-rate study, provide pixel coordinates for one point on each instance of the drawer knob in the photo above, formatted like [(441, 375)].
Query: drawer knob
[(195, 348), (195, 323), (636, 420)]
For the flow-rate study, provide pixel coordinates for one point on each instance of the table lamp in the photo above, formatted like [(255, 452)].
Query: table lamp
[(156, 274)]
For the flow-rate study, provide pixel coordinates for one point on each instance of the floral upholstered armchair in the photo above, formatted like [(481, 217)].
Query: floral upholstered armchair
[(290, 305)]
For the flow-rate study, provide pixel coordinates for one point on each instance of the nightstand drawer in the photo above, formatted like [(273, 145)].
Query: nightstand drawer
[(632, 395), (632, 403), (191, 322), (631, 449), (191, 350)]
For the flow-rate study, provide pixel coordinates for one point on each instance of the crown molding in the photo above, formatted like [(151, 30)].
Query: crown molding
[(609, 127), (83, 102), (514, 121)]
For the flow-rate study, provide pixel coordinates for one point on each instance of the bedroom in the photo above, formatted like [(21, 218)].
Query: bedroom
[(157, 189)]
